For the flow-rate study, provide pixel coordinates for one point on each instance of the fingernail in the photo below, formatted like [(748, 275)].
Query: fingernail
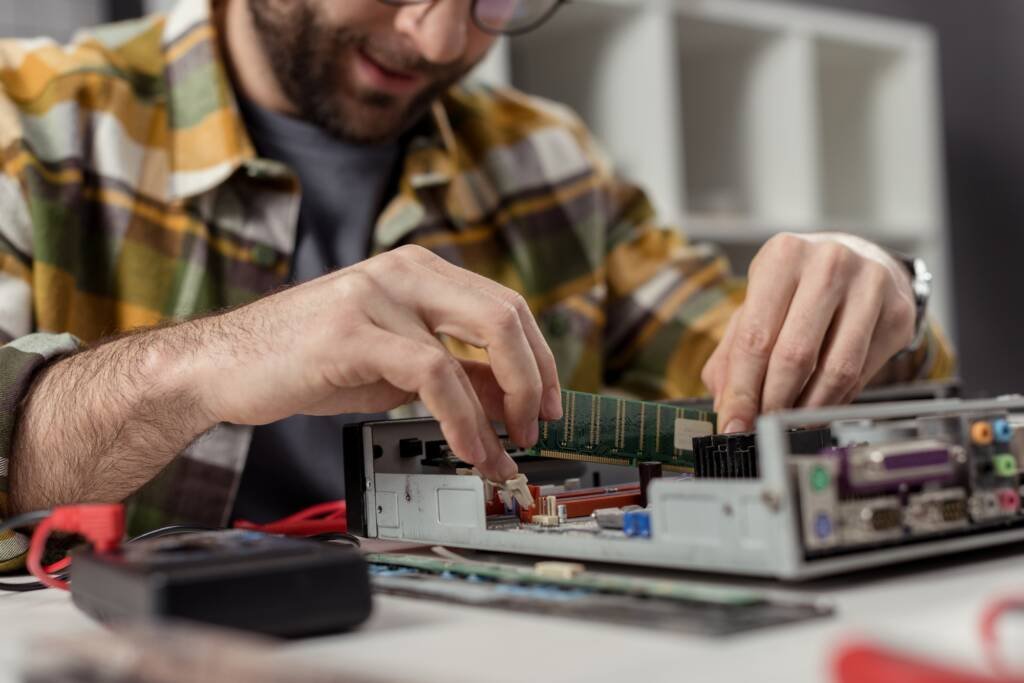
[(736, 425), (553, 404)]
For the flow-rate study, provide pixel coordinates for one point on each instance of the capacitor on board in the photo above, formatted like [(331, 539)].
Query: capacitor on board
[(648, 470)]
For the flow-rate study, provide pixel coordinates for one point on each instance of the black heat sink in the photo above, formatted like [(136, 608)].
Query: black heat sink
[(734, 456), (725, 456)]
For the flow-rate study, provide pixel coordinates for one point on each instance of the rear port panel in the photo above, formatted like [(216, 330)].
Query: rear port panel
[(956, 475)]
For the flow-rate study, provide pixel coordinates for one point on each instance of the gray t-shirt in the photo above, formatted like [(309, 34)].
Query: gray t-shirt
[(297, 462)]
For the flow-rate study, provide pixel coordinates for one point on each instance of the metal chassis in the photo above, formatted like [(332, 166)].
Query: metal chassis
[(742, 527)]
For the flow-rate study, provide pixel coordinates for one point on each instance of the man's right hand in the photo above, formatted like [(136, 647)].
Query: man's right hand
[(363, 339), (97, 425)]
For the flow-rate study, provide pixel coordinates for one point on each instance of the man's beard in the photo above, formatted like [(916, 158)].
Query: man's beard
[(305, 54)]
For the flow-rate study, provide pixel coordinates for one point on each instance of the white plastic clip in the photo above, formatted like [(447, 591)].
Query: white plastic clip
[(515, 488)]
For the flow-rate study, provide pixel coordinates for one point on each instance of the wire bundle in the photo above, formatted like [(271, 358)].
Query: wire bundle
[(103, 527)]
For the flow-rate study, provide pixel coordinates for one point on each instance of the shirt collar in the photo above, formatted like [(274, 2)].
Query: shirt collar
[(208, 141)]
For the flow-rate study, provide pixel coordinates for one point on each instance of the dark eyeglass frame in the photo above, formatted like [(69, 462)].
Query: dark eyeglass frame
[(484, 27)]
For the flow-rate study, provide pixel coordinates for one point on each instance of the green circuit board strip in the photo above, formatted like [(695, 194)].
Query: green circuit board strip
[(618, 431), (669, 589)]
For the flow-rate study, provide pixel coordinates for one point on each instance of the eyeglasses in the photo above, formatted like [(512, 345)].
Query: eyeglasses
[(503, 17)]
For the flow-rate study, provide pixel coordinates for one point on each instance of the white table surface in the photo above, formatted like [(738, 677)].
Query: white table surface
[(932, 606)]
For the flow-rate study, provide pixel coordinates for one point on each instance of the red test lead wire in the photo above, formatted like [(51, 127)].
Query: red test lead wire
[(58, 566), (990, 637), (102, 525), (870, 663), (325, 518), (35, 556)]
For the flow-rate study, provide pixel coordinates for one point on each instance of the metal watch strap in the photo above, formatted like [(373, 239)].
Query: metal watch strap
[(921, 284)]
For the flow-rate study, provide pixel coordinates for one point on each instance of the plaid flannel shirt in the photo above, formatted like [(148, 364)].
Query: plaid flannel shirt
[(130, 194)]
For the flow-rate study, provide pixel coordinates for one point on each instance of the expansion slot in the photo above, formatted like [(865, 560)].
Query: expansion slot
[(621, 431)]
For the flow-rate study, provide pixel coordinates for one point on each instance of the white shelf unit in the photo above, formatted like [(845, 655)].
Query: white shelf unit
[(744, 118)]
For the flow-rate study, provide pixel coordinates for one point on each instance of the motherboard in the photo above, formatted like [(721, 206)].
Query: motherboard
[(808, 493)]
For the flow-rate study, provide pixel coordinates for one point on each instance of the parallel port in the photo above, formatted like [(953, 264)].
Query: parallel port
[(892, 466)]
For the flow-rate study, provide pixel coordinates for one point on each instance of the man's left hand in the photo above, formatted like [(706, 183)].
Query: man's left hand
[(823, 313)]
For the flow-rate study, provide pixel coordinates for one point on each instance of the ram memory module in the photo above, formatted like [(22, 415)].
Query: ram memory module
[(622, 431)]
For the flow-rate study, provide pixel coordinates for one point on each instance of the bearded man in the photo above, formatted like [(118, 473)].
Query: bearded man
[(227, 230)]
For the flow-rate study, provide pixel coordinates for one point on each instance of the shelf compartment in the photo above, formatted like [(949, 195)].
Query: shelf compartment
[(876, 131), (611, 63), (746, 107)]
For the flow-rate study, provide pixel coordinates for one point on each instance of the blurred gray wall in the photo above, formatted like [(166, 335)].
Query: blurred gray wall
[(982, 53), (158, 5), (55, 18)]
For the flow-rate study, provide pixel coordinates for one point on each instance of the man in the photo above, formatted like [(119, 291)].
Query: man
[(151, 177)]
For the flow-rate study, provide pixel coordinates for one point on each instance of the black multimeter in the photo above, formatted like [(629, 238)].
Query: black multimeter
[(240, 579)]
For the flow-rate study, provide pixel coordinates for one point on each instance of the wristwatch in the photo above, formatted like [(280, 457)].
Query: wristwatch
[(921, 284)]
